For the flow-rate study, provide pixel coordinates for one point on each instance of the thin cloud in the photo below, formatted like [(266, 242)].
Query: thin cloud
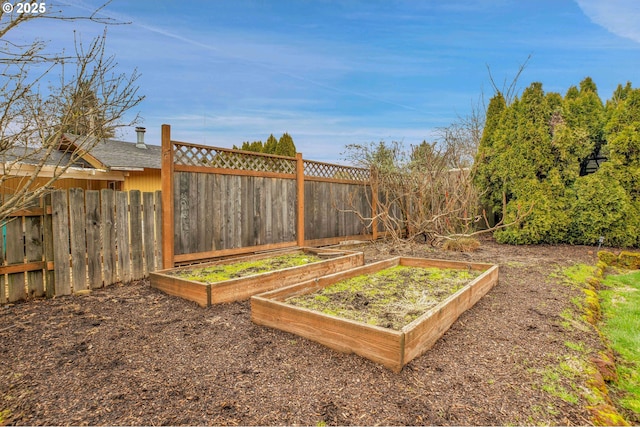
[(620, 17)]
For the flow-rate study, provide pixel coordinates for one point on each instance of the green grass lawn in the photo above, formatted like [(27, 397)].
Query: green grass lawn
[(620, 301)]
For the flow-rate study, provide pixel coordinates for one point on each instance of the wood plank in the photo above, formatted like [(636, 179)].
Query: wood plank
[(135, 230), (231, 251), (269, 197), (216, 213), (49, 275), (237, 212), (32, 211), (167, 205), (158, 228), (193, 291), (440, 263), (108, 233), (291, 210), (380, 345), (211, 205), (22, 267), (283, 214), (309, 224), (148, 232), (203, 214), (299, 200), (94, 238), (15, 254), (194, 239), (33, 253), (61, 249), (183, 213), (258, 210), (77, 229), (247, 211), (225, 221), (122, 237)]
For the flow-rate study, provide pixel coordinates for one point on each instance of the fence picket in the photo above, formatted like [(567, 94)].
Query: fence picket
[(15, 255), (47, 237), (158, 223), (77, 225), (94, 239), (148, 232), (60, 218), (108, 233), (135, 228), (34, 252), (122, 237)]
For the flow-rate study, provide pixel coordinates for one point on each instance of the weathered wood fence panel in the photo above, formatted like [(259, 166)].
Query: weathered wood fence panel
[(218, 212), (76, 241), (221, 202), (332, 209)]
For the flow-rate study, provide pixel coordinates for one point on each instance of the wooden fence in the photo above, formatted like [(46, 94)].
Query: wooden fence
[(219, 202), (78, 240)]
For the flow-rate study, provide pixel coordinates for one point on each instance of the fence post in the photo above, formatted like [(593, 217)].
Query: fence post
[(167, 198), (374, 204), (300, 188)]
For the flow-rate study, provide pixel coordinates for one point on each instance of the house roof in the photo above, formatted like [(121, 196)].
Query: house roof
[(121, 155), (33, 156)]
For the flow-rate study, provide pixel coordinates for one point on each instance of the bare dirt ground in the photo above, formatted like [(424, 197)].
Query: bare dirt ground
[(131, 355)]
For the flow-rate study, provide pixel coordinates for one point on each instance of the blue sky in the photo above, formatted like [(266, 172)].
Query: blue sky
[(332, 73)]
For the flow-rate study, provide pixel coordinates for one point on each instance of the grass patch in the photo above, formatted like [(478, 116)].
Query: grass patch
[(620, 302), (4, 414), (578, 274), (222, 272)]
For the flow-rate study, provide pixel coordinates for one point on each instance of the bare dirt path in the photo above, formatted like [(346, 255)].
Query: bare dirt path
[(130, 355)]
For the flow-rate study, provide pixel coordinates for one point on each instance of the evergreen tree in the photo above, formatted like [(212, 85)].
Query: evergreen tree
[(255, 146), (484, 165), (583, 113), (285, 146), (271, 145)]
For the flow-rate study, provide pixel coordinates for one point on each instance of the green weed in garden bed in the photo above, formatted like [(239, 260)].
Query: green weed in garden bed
[(390, 298), (219, 273)]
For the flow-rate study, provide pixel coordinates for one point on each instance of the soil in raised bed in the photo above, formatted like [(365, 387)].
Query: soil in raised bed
[(221, 272), (390, 298)]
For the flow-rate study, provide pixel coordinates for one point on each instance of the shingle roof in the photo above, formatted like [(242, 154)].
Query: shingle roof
[(116, 154), (33, 156)]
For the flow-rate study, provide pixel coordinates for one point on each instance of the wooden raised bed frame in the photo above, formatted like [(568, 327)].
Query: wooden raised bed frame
[(391, 348), (242, 288)]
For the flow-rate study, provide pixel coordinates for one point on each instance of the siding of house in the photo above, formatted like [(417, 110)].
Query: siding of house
[(146, 181), (11, 185)]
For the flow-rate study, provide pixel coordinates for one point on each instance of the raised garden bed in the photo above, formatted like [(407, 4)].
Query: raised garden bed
[(238, 278), (378, 336)]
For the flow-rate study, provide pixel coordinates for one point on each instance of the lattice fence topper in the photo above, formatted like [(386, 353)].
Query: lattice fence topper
[(213, 157), (328, 170)]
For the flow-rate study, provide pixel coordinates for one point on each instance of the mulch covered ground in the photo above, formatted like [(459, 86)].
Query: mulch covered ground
[(131, 355)]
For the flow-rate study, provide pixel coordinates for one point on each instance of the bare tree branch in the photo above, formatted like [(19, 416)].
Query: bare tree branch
[(34, 121)]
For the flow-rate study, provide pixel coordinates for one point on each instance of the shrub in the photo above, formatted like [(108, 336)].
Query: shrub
[(462, 244)]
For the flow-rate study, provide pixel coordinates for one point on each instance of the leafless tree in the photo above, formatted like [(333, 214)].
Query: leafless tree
[(83, 90), (427, 194)]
